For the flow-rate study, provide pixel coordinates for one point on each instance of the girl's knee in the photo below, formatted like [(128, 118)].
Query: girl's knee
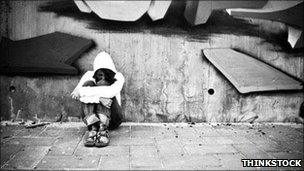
[(91, 119), (104, 119)]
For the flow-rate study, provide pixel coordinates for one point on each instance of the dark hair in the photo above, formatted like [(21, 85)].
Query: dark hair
[(109, 75)]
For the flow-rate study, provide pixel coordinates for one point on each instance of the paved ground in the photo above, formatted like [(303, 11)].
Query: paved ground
[(150, 146)]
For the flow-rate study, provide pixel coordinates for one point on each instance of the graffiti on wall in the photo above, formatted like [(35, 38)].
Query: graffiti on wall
[(177, 18)]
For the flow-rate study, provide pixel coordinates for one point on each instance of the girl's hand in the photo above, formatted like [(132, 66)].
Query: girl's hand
[(106, 102), (75, 95)]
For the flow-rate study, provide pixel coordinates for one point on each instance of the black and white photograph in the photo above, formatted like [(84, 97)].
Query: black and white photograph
[(151, 85)]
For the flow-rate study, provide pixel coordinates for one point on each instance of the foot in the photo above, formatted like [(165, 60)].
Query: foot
[(90, 138), (103, 138)]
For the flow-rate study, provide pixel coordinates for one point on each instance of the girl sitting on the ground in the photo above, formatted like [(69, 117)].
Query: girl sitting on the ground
[(99, 92)]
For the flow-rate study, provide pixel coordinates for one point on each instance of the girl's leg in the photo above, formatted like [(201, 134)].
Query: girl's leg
[(103, 137), (91, 120), (103, 113), (89, 116)]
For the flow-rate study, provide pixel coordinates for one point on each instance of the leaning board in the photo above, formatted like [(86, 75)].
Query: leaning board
[(248, 74)]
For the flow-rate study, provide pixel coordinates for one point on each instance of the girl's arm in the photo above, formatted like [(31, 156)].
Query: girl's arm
[(103, 91), (88, 76)]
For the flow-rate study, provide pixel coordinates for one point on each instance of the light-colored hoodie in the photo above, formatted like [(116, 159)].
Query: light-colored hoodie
[(92, 94)]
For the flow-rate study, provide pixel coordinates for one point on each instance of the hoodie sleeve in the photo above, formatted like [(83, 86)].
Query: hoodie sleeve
[(103, 91), (86, 77)]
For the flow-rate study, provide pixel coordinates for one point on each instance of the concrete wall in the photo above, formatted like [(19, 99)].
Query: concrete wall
[(167, 77)]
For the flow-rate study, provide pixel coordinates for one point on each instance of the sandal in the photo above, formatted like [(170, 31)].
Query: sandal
[(103, 139), (90, 138)]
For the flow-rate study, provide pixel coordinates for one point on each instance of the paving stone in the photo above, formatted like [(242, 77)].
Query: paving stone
[(206, 131), (71, 135), (8, 151), (146, 167), (271, 147), (51, 133), (285, 155), (250, 151), (80, 169), (143, 151), (195, 142), (278, 136), (231, 161), (170, 127), (135, 128), (301, 130), (239, 140), (199, 162), (292, 146), (144, 156), (30, 132), (186, 133), (65, 149), (110, 162), (217, 140), (142, 132), (163, 133), (279, 168), (122, 131), (32, 141), (241, 130), (27, 158), (64, 127), (168, 142), (94, 151), (226, 131), (206, 149), (64, 146), (289, 168), (68, 162), (179, 167), (282, 132), (169, 147), (258, 139), (293, 134), (131, 141)]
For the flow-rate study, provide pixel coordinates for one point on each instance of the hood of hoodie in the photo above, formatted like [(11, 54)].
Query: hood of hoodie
[(104, 60)]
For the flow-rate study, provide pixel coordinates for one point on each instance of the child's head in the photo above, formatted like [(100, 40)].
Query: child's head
[(105, 75)]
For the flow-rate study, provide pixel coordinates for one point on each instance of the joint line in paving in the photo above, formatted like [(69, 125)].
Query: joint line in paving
[(42, 131), (38, 161), (180, 144), (240, 152), (129, 155), (130, 131), (80, 139), (157, 151), (256, 145), (13, 156), (99, 166)]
